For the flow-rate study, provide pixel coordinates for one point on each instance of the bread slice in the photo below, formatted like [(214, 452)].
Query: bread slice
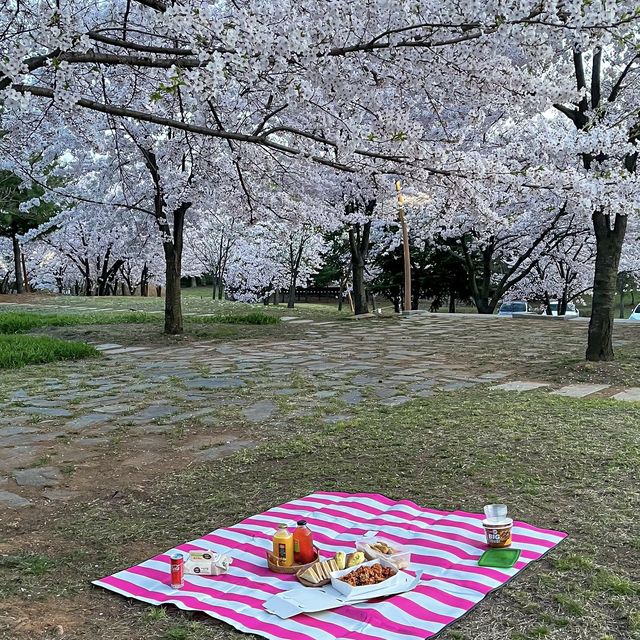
[(324, 566), (310, 575)]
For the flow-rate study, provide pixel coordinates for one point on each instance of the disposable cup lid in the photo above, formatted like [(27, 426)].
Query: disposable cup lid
[(504, 522)]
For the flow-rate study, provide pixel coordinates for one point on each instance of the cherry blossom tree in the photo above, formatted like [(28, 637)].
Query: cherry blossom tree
[(368, 87), (211, 239), (269, 258)]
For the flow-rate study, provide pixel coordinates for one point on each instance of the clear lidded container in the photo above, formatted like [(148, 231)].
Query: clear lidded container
[(380, 548)]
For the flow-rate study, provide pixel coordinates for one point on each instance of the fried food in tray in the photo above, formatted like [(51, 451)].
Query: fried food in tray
[(383, 547), (367, 576)]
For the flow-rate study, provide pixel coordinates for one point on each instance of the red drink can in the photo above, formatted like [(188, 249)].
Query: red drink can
[(177, 570)]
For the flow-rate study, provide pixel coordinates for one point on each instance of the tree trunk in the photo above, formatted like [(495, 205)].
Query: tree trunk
[(452, 302), (359, 245), (621, 303), (17, 261), (291, 298), (608, 248), (173, 300), (482, 304), (27, 287), (173, 259), (415, 297), (340, 293), (144, 281), (360, 305)]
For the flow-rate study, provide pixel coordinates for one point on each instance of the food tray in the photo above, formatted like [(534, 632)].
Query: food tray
[(363, 591), (401, 559), (274, 564)]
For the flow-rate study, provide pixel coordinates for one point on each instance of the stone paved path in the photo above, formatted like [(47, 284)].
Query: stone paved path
[(142, 405)]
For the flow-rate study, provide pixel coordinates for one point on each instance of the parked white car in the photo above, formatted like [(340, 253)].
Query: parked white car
[(635, 315), (572, 311), (507, 309)]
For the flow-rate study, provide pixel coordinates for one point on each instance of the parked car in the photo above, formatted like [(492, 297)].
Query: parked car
[(635, 314), (507, 309), (571, 312)]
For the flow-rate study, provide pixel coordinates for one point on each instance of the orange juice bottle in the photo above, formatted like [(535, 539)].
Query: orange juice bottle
[(283, 546)]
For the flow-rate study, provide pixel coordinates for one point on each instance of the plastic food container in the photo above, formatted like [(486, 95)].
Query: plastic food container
[(400, 558), (356, 592), (498, 533)]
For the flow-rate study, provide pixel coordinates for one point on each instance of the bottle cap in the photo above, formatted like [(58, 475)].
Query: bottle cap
[(302, 523), (282, 525)]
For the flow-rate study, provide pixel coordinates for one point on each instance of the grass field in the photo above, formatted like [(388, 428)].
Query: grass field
[(195, 302), (558, 463), (23, 321), (18, 351)]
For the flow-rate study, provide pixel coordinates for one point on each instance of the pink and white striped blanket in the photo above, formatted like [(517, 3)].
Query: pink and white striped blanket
[(444, 545)]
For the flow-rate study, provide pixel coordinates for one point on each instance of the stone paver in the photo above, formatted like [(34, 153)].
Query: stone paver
[(259, 411), (37, 477), (12, 500), (185, 395), (519, 385), (632, 394), (336, 418), (580, 390), (215, 453), (214, 383), (351, 397)]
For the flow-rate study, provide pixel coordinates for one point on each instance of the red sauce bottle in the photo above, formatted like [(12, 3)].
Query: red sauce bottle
[(303, 551)]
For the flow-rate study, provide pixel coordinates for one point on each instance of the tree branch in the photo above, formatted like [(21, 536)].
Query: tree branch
[(112, 59), (578, 65), (135, 46), (596, 71), (618, 85), (158, 5), (577, 117), (144, 116)]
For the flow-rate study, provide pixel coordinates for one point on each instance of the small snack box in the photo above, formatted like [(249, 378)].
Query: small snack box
[(362, 591), (378, 548), (207, 563)]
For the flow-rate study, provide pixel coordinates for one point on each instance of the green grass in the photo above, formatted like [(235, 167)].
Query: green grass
[(12, 322), (18, 351), (23, 321), (254, 317), (195, 301)]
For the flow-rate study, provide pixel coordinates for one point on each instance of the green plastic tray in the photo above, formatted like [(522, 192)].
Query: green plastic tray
[(499, 558)]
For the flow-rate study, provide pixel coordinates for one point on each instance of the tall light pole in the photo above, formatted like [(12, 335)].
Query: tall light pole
[(405, 248)]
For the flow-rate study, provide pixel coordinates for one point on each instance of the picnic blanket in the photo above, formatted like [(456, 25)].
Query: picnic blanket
[(444, 545)]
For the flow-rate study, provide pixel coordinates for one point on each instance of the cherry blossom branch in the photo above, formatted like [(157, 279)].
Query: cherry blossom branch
[(135, 46), (158, 5), (596, 70), (144, 116), (618, 85)]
